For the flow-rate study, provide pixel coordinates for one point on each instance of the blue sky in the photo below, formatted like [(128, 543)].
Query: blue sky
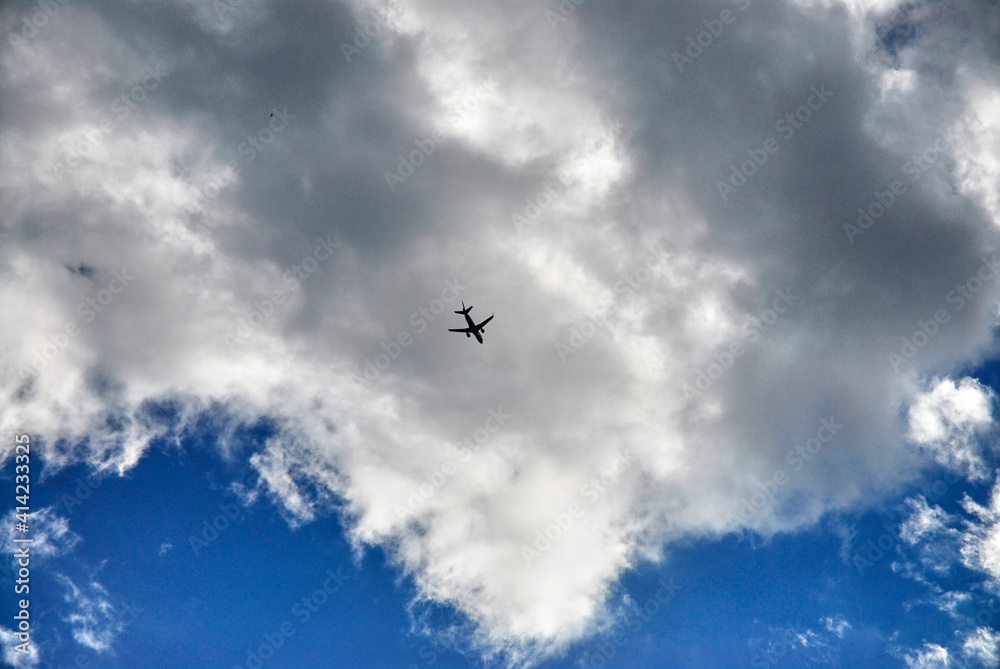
[(173, 589), (737, 406)]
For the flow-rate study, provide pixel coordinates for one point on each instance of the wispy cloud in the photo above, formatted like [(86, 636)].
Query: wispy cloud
[(49, 532), (19, 659), (95, 621)]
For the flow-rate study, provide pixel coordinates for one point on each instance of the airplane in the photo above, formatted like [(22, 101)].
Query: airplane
[(473, 329)]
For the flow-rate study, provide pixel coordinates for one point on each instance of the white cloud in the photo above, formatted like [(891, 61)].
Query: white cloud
[(802, 646), (950, 601), (931, 530), (931, 656), (95, 621), (981, 646), (981, 548), (838, 625), (941, 540), (699, 458), (49, 533), (947, 419), (14, 657)]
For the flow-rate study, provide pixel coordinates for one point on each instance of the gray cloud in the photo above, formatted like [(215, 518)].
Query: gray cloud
[(595, 102)]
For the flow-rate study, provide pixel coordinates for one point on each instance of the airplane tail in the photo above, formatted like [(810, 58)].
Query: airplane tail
[(465, 309)]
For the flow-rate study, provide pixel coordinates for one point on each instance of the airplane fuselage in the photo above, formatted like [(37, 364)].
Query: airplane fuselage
[(472, 326)]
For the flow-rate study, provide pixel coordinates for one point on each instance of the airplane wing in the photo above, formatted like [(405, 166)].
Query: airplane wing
[(480, 326), (469, 330)]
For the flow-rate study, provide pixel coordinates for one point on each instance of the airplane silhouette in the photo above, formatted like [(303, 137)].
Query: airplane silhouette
[(473, 329)]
